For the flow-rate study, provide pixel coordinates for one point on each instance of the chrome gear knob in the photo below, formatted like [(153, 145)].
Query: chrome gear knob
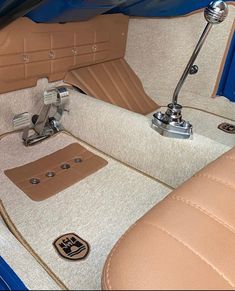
[(216, 12)]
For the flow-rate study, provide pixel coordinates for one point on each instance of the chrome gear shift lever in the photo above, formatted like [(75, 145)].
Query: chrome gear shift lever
[(171, 123)]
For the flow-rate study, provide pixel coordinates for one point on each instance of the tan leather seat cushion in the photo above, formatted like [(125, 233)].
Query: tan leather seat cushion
[(185, 242)]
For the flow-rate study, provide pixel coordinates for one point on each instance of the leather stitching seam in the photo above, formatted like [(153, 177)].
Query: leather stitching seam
[(228, 157), (204, 211), (218, 180), (108, 280), (192, 250)]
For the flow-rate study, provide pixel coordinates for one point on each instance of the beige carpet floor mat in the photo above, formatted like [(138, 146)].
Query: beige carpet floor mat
[(98, 209), (114, 82), (219, 105), (128, 137), (31, 100), (158, 50), (54, 173), (206, 124), (23, 264)]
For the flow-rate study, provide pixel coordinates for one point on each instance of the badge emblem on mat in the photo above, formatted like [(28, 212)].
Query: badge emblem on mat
[(227, 127), (71, 247)]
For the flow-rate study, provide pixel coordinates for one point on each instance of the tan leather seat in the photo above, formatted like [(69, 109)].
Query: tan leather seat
[(185, 242)]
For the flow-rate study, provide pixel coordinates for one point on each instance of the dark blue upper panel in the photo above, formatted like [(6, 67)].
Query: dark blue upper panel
[(6, 5), (160, 8), (77, 10), (71, 10)]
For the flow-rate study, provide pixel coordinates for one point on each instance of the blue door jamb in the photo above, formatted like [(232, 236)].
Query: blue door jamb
[(227, 82)]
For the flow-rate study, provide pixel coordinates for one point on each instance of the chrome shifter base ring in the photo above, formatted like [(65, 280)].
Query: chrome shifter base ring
[(171, 123)]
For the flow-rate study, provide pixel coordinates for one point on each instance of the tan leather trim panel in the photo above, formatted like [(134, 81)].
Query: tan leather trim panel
[(29, 50), (114, 82), (54, 173), (186, 242)]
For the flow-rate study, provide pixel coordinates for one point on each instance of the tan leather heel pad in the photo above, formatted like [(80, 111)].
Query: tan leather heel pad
[(63, 178), (29, 50), (114, 82)]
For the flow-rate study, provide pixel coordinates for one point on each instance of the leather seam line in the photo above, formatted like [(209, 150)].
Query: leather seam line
[(198, 207), (228, 157), (192, 250), (116, 247), (215, 179)]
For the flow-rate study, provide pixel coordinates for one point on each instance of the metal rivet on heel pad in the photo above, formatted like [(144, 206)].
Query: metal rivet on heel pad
[(50, 174), (65, 166), (34, 181), (78, 160)]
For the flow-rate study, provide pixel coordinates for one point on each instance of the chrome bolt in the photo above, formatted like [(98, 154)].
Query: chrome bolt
[(34, 181), (193, 70), (26, 58), (159, 115), (78, 160), (94, 48), (50, 174), (75, 51), (51, 55), (65, 166)]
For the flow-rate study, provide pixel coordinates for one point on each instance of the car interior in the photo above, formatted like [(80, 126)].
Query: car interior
[(117, 145)]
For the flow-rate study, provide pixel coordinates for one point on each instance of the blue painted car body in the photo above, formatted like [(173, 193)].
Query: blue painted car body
[(7, 5), (76, 10), (8, 278), (160, 8), (227, 83), (71, 10)]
